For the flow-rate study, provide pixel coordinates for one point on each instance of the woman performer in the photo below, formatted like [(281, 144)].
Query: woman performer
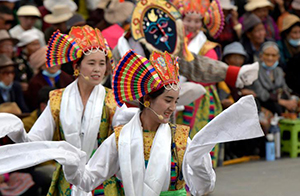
[(150, 156), (82, 112)]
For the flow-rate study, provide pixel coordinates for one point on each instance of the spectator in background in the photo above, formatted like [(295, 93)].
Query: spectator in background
[(58, 20), (9, 3), (254, 35), (61, 13), (6, 17), (52, 76), (10, 90), (232, 30), (289, 45), (295, 5), (261, 9), (42, 97), (115, 13), (76, 20), (7, 44), (279, 9), (27, 15), (235, 54), (270, 87), (48, 5), (29, 43)]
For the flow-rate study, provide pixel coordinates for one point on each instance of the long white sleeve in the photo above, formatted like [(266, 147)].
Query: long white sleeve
[(198, 171), (238, 122), (42, 130), (103, 164)]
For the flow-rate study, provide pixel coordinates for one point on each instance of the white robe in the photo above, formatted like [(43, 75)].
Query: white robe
[(238, 122), (80, 126)]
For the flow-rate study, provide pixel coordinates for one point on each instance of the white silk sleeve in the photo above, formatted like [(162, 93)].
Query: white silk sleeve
[(103, 164), (43, 128), (198, 171), (13, 127), (238, 122)]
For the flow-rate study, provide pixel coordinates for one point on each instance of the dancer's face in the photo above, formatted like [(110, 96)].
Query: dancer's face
[(165, 105), (192, 24), (93, 66)]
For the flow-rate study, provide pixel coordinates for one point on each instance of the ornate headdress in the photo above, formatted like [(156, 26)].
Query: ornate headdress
[(211, 12), (136, 76), (85, 40)]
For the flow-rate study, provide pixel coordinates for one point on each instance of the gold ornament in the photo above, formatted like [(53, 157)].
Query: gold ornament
[(76, 73), (147, 104)]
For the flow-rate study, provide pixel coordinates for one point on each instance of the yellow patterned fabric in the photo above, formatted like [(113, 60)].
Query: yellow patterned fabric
[(208, 45), (59, 186), (180, 134)]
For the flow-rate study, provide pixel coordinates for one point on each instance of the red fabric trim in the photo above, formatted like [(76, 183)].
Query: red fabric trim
[(231, 75)]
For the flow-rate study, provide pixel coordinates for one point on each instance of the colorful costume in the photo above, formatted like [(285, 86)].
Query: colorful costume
[(197, 114), (65, 118), (157, 25), (173, 158)]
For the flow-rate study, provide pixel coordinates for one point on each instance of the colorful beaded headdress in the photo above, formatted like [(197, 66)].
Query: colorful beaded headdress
[(211, 12), (84, 40), (136, 76)]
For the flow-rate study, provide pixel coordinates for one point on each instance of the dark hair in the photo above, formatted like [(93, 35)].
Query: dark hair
[(287, 31), (152, 95), (5, 10), (43, 94)]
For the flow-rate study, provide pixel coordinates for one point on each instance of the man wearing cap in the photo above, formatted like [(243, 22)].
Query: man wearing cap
[(48, 6), (29, 43), (58, 19), (27, 15), (10, 91)]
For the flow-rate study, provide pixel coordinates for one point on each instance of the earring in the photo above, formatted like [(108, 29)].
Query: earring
[(147, 104), (76, 73)]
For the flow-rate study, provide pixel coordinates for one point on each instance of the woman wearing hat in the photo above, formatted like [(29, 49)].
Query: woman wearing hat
[(150, 155), (27, 15), (254, 35), (261, 9), (82, 112), (47, 76), (270, 87), (289, 44)]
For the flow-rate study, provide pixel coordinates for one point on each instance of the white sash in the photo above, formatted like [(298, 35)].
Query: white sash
[(197, 43), (81, 130), (156, 178)]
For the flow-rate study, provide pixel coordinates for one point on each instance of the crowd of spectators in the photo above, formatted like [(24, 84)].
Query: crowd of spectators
[(261, 31)]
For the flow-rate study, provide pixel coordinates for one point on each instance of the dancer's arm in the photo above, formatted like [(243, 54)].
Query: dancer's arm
[(13, 127), (103, 164)]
